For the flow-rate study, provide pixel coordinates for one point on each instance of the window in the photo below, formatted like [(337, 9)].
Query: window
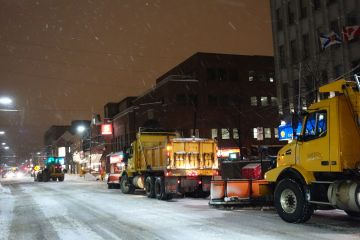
[(267, 132), (211, 74), (316, 4), (192, 99), (233, 74), (306, 46), (253, 101), (315, 126), (279, 19), (338, 70), (222, 75), (212, 100), (194, 133), (262, 77), (235, 133), (225, 134), (329, 2), (303, 9), (224, 100), (271, 77), (276, 132), (255, 133), (264, 101), (291, 15), (293, 50), (273, 101), (351, 19), (282, 56), (285, 91), (214, 133), (150, 114), (251, 76), (334, 26)]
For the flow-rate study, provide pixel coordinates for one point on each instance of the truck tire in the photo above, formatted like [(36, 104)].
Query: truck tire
[(160, 190), (110, 186), (126, 186), (45, 177), (353, 214), (54, 179), (290, 202), (61, 179), (150, 187)]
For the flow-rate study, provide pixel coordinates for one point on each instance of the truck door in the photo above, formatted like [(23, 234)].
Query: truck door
[(314, 145)]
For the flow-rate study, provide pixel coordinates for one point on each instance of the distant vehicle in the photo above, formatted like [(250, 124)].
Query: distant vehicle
[(117, 165), (52, 171), (164, 165)]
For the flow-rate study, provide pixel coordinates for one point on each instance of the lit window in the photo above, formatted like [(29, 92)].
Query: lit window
[(235, 133), (255, 132), (264, 101), (214, 133), (273, 101), (276, 133), (225, 133), (251, 76), (267, 132), (253, 101)]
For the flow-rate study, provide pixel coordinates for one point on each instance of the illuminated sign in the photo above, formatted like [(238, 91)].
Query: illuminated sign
[(55, 160), (227, 152), (286, 131), (61, 152), (106, 129), (116, 158)]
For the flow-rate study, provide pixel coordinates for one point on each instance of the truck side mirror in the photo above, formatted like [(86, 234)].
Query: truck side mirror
[(294, 123)]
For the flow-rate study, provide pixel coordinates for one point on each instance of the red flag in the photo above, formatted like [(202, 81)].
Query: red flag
[(351, 32)]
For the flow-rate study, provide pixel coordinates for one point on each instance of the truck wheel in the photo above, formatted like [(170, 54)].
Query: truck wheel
[(150, 187), (61, 179), (290, 202), (160, 190), (45, 178), (353, 214), (126, 186), (110, 186), (54, 179)]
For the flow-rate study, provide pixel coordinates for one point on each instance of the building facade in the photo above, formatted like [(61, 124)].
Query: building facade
[(309, 47), (224, 96)]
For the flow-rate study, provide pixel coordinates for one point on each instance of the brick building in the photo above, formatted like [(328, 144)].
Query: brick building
[(228, 97)]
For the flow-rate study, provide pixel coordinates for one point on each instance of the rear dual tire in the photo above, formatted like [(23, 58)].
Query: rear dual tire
[(160, 190)]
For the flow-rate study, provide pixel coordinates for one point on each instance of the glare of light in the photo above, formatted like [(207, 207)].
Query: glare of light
[(38, 153), (5, 100), (2, 132), (3, 144), (283, 123), (6, 147), (81, 129)]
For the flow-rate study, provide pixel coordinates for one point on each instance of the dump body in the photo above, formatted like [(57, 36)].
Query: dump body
[(181, 165)]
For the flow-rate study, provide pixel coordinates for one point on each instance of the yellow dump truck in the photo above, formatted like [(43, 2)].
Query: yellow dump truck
[(164, 165), (321, 168)]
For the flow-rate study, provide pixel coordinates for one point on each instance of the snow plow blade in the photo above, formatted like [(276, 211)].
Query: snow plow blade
[(240, 192)]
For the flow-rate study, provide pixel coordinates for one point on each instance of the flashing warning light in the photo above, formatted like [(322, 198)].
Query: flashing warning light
[(106, 129)]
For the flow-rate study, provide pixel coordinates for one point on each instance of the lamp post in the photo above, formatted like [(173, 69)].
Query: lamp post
[(81, 129)]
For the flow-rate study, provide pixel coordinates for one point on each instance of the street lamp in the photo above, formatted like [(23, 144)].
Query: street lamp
[(2, 132), (5, 100), (81, 129)]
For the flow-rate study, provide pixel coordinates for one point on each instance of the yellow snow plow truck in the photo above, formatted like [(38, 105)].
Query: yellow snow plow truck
[(164, 165), (320, 169)]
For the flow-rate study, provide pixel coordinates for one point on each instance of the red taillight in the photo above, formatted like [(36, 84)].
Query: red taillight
[(178, 181), (167, 174), (192, 174), (168, 154), (215, 173), (200, 182)]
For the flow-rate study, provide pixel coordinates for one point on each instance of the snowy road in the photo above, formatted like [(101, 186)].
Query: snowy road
[(78, 209)]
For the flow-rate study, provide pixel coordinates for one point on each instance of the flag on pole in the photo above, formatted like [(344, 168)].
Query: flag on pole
[(351, 32), (329, 39)]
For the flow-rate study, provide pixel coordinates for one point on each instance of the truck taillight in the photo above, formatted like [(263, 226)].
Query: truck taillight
[(216, 173), (167, 174), (192, 174), (200, 182)]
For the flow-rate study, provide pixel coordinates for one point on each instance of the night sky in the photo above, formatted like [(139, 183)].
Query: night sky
[(64, 60)]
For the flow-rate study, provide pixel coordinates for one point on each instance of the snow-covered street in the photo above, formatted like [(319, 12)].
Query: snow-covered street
[(80, 209)]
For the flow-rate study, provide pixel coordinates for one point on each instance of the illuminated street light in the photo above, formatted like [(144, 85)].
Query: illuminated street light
[(2, 132), (5, 100), (81, 129), (6, 148), (3, 144)]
